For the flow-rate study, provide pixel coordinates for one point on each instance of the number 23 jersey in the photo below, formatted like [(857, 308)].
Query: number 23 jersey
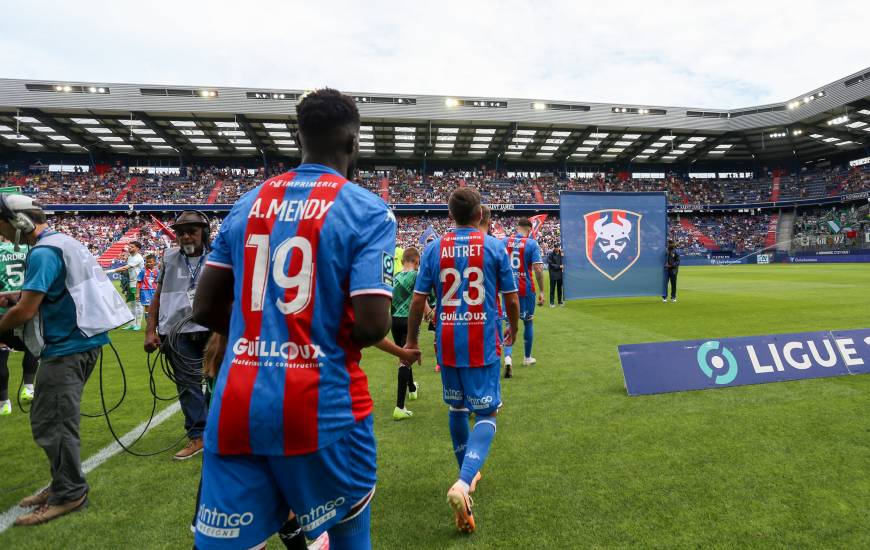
[(467, 270), (300, 247)]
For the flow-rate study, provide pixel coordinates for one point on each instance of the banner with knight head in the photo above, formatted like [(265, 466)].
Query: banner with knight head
[(614, 243)]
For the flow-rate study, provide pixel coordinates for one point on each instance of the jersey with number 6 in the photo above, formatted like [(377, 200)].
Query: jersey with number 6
[(467, 270), (524, 253), (11, 268), (300, 246)]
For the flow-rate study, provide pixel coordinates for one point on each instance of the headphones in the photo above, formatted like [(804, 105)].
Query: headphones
[(206, 230), (20, 221)]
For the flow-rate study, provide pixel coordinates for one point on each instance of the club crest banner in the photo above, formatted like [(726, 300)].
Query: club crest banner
[(614, 243)]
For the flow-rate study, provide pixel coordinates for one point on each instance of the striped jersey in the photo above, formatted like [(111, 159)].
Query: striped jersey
[(300, 246), (524, 252), (148, 278), (467, 270)]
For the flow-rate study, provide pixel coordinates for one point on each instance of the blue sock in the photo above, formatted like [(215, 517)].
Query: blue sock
[(528, 336), (459, 432), (355, 534), (478, 447)]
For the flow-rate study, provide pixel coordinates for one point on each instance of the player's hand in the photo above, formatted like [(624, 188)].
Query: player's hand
[(152, 342), (214, 355), (541, 299), (411, 356), (510, 333)]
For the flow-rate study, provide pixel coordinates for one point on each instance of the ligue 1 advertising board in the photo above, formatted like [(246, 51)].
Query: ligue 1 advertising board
[(614, 243), (663, 367)]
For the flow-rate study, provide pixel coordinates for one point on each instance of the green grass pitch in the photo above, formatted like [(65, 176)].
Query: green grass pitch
[(576, 462)]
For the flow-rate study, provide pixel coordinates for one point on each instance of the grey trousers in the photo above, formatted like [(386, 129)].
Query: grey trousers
[(54, 420)]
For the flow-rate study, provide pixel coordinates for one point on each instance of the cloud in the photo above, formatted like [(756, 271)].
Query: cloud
[(680, 53)]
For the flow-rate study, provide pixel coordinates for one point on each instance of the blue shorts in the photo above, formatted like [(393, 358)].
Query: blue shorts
[(145, 297), (527, 307), (247, 498), (477, 389)]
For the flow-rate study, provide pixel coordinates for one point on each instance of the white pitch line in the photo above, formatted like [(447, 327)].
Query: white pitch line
[(107, 452)]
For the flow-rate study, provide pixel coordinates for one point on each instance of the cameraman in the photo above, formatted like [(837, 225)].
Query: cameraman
[(67, 306), (176, 285)]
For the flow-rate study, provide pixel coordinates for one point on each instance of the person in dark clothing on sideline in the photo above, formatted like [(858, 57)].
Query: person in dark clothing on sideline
[(672, 266), (555, 266)]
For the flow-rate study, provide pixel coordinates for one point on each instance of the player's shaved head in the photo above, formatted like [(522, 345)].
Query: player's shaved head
[(464, 206), (328, 128)]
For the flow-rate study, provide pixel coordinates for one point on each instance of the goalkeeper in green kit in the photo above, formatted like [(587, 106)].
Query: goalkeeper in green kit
[(11, 279)]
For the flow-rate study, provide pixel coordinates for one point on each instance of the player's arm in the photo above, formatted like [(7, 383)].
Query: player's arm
[(539, 277), (371, 318), (152, 340), (407, 356), (512, 311), (415, 318), (213, 302)]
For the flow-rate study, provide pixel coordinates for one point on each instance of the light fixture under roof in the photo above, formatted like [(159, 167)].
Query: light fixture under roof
[(405, 129), (221, 124), (113, 139), (697, 139), (485, 131), (558, 133), (526, 132), (405, 145), (623, 143), (366, 128), (58, 138), (153, 140), (592, 142), (586, 149), (131, 122), (281, 134), (99, 130), (448, 130), (830, 139), (200, 140), (549, 148), (15, 137), (601, 135), (277, 126), (479, 146), (30, 120), (44, 129), (650, 151), (658, 144), (630, 136), (555, 141), (444, 146), (643, 157), (183, 123), (856, 124), (144, 131), (446, 138), (724, 146), (522, 140), (85, 121), (668, 138), (616, 149)]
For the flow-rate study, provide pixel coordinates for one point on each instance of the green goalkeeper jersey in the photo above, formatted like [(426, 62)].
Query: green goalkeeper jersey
[(403, 290), (11, 268)]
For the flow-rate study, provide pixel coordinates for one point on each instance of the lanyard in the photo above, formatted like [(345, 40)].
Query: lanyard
[(193, 272), (46, 233)]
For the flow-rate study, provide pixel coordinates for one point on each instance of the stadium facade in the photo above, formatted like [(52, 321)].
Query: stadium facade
[(177, 124)]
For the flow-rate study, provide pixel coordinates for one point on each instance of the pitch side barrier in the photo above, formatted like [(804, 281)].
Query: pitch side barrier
[(528, 208)]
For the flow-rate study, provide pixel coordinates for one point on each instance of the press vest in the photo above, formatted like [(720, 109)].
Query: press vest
[(99, 307), (176, 291)]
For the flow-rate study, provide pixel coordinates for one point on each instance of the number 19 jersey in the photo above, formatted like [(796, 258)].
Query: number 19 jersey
[(467, 270), (300, 247)]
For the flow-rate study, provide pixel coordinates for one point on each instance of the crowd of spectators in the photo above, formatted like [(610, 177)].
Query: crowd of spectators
[(831, 226), (224, 185)]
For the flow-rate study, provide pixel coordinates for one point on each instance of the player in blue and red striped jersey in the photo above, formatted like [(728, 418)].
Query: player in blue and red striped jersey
[(467, 269), (525, 255), (300, 279)]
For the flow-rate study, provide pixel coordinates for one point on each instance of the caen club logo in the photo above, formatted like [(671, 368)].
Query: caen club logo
[(612, 241)]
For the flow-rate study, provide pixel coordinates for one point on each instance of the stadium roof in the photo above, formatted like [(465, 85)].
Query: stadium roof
[(151, 120)]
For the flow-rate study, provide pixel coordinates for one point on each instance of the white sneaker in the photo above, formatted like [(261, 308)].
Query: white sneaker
[(664, 300), (674, 300), (5, 408), (26, 393), (552, 305), (529, 361), (508, 361)]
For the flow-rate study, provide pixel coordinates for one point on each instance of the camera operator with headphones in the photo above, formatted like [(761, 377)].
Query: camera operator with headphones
[(171, 304), (66, 305)]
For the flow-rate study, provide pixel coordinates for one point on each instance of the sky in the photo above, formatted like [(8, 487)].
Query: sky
[(703, 53)]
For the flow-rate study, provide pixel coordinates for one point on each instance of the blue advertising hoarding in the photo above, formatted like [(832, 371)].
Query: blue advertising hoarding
[(614, 243), (715, 363)]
